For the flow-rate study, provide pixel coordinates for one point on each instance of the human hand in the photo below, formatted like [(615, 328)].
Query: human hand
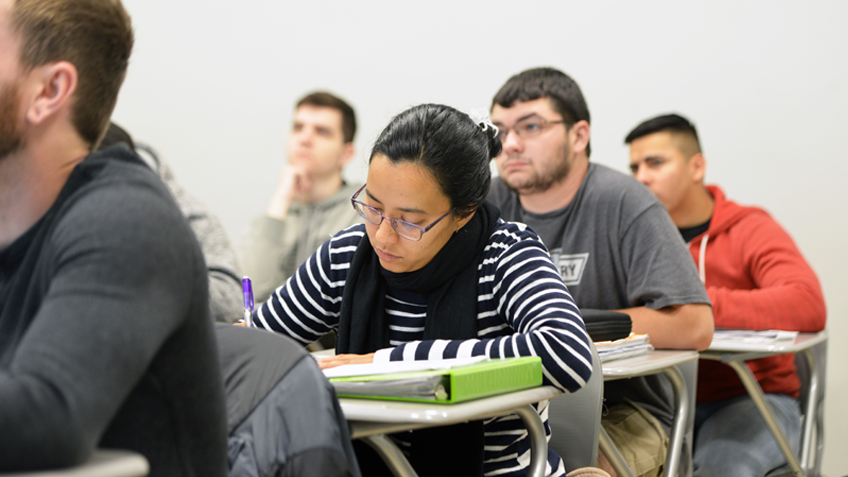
[(294, 182), (341, 359), (240, 323)]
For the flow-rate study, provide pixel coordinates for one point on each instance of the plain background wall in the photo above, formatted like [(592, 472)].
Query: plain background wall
[(212, 86)]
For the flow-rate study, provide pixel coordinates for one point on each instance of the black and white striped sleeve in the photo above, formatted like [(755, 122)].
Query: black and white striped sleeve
[(307, 306)]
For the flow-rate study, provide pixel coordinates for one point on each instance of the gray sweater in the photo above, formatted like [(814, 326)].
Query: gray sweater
[(105, 336), (225, 296)]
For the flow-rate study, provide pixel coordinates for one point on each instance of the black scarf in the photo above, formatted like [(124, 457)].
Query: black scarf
[(450, 278)]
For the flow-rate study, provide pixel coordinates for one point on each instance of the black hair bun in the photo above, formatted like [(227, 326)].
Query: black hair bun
[(495, 146)]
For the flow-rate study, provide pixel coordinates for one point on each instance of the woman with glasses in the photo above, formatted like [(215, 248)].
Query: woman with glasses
[(433, 273)]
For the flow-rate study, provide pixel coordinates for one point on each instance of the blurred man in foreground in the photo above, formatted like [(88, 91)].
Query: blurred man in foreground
[(105, 334)]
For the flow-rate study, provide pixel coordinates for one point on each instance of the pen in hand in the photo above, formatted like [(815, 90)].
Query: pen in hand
[(247, 291)]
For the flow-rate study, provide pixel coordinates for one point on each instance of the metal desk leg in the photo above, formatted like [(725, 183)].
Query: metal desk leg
[(808, 453), (613, 455), (678, 430), (538, 440), (759, 399), (391, 455), (678, 425), (400, 467)]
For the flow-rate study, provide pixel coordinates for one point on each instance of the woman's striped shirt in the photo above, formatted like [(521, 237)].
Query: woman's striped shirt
[(523, 309)]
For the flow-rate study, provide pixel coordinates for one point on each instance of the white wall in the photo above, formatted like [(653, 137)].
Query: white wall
[(212, 85)]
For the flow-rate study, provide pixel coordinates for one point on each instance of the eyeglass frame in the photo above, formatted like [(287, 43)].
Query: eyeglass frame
[(354, 201), (503, 131)]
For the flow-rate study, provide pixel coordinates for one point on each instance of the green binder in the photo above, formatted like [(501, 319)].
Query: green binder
[(457, 384)]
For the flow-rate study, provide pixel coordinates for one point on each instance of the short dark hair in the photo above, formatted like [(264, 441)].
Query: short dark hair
[(96, 36), (667, 122), (447, 143), (327, 100), (558, 87)]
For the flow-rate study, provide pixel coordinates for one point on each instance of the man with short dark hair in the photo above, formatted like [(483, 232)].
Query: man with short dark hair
[(756, 279), (610, 238), (311, 201), (105, 334)]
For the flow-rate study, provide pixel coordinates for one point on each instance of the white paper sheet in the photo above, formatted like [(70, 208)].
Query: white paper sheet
[(752, 336), (397, 367)]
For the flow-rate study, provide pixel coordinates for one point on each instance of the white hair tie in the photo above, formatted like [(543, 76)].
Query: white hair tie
[(480, 116)]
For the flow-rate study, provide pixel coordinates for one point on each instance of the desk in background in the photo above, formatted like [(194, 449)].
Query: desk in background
[(736, 354), (658, 361)]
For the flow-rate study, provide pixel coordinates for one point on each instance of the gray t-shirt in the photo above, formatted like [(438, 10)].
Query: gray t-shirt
[(616, 247)]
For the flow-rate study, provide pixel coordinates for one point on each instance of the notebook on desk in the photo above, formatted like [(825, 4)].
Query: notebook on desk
[(446, 385), (633, 345)]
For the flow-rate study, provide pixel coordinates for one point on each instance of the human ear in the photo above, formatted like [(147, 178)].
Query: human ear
[(579, 133), (54, 88), (347, 154), (698, 165)]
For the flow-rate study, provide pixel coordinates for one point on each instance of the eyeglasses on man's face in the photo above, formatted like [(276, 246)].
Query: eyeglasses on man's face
[(403, 228), (526, 128)]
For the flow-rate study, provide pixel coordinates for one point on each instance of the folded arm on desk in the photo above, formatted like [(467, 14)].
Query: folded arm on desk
[(687, 326)]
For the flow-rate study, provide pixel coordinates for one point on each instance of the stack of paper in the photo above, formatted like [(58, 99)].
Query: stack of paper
[(394, 367), (753, 336), (633, 345)]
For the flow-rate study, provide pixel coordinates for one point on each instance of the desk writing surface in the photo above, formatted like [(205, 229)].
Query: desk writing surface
[(434, 414), (802, 342), (104, 463), (437, 414), (651, 363)]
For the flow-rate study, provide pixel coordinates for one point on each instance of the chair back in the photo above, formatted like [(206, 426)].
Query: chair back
[(575, 421)]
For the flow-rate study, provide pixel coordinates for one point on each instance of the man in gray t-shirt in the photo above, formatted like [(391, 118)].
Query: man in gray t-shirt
[(607, 245), (613, 243)]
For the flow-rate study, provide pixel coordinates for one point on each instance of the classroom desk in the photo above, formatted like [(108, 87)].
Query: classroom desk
[(736, 354), (657, 361), (372, 419), (104, 463)]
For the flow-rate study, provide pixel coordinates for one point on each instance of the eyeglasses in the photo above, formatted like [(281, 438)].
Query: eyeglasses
[(403, 228), (526, 128)]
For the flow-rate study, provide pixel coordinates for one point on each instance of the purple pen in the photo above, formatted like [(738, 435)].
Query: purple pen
[(247, 291)]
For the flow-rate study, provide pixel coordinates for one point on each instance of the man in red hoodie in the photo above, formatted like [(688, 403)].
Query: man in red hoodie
[(756, 279)]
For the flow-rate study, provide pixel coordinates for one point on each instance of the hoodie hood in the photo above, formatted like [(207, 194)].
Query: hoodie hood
[(727, 213)]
